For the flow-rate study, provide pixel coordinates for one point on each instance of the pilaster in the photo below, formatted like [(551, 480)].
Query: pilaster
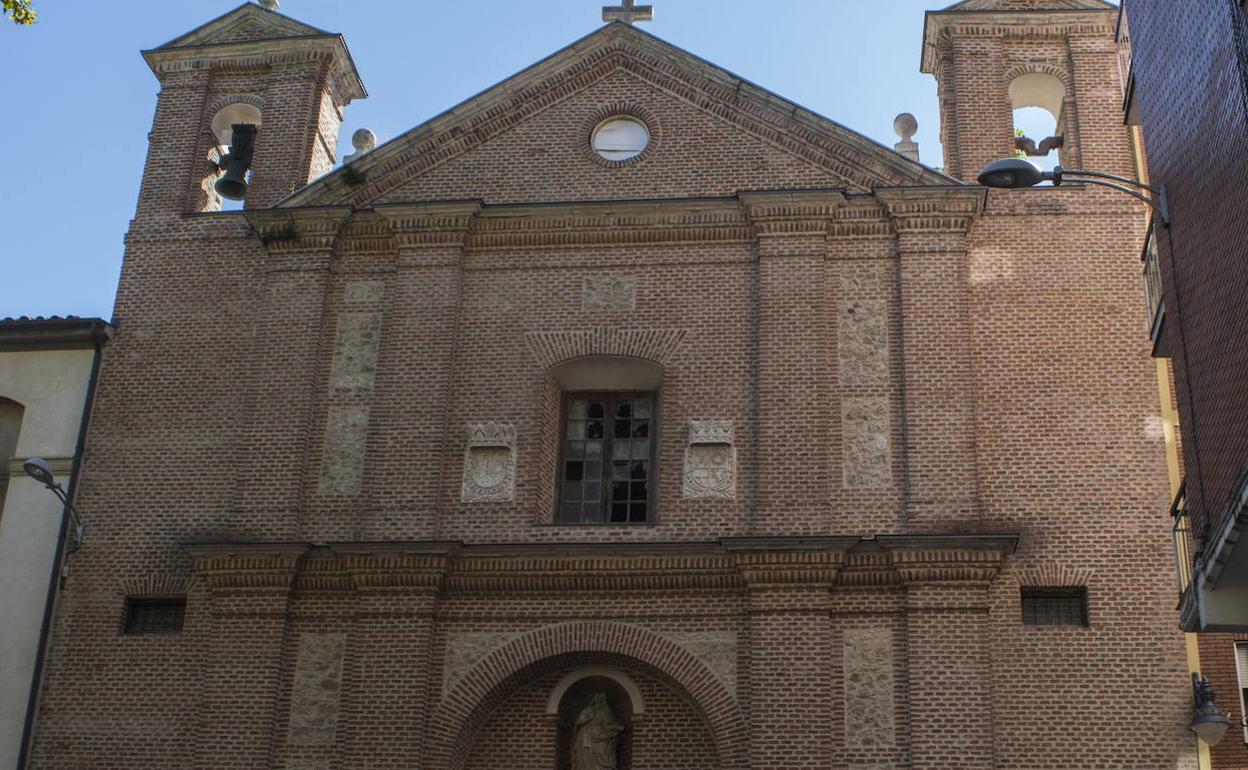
[(789, 668), (414, 381), (940, 474), (794, 479), (273, 452), (249, 588), (390, 652)]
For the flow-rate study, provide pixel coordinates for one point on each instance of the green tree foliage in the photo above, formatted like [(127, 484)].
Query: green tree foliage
[(20, 11)]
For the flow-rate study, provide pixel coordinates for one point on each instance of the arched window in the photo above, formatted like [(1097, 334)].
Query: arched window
[(1037, 99), (607, 439), (10, 426)]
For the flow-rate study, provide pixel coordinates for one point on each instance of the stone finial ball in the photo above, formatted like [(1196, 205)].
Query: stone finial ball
[(905, 125), (363, 140), (272, 5)]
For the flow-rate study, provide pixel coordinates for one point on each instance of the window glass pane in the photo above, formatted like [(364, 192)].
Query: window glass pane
[(593, 429), (619, 512), (574, 471), (596, 410), (593, 449), (638, 512), (576, 429), (623, 428), (576, 409), (624, 410), (641, 429), (641, 408), (620, 470)]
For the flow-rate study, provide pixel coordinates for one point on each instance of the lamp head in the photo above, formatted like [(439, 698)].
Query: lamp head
[(1011, 174), (39, 470)]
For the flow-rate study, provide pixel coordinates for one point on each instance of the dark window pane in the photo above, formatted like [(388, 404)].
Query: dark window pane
[(637, 490), (623, 428), (575, 471), (619, 490), (596, 410), (641, 429), (619, 512), (624, 409), (639, 471), (638, 512), (155, 616), (593, 429)]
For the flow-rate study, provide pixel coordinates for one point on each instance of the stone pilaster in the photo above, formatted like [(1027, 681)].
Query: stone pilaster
[(249, 588), (788, 674), (389, 687), (940, 475), (794, 408), (412, 393), (281, 396)]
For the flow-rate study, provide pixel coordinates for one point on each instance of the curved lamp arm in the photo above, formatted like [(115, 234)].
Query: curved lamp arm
[(1157, 201)]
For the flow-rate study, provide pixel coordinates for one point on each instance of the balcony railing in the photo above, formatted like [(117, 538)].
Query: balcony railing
[(1183, 537), (1153, 297)]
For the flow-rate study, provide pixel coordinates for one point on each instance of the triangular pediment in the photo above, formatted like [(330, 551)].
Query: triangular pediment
[(533, 125), (1032, 5), (244, 23)]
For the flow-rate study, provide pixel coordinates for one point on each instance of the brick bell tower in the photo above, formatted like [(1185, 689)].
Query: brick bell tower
[(253, 66), (992, 57)]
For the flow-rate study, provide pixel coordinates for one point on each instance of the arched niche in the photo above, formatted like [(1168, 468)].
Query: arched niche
[(636, 704), (1037, 100), (220, 128), (1038, 89), (621, 373)]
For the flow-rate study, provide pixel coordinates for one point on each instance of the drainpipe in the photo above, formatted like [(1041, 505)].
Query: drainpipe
[(99, 335)]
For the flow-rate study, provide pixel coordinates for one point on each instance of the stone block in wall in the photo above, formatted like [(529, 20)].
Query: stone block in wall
[(609, 293), (862, 342), (343, 458), (314, 695), (866, 443), (870, 696)]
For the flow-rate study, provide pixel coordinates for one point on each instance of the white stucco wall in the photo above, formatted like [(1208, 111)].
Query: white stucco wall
[(52, 386)]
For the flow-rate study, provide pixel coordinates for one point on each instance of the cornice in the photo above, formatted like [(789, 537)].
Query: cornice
[(729, 564), (795, 213), (246, 566), (253, 54), (932, 209), (941, 26), (301, 232), (417, 226)]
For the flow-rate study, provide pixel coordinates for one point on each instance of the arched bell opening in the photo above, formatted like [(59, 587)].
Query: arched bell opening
[(230, 140), (1038, 103)]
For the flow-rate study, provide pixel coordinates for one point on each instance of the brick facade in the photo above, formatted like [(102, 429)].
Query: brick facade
[(936, 398)]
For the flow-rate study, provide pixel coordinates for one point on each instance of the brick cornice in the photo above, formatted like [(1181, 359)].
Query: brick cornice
[(419, 567), (250, 567), (942, 26), (923, 210), (255, 54), (767, 561), (418, 226), (792, 214), (947, 559), (295, 238)]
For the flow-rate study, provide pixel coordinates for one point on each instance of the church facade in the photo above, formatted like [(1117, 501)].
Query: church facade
[(627, 415)]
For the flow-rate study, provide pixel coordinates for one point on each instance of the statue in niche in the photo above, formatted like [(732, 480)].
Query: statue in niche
[(595, 737)]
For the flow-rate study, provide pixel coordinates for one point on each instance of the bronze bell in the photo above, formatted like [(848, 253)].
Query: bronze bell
[(233, 184)]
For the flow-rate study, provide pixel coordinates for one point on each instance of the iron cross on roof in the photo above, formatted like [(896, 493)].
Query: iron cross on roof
[(628, 13)]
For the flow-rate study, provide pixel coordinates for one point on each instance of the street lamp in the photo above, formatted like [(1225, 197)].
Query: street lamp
[(1208, 721), (1015, 173), (39, 470)]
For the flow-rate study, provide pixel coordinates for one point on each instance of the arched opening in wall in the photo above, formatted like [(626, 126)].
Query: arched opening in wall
[(1038, 101), (224, 187), (11, 414)]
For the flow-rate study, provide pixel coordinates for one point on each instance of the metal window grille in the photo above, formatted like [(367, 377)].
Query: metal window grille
[(1055, 607), (155, 616), (607, 468)]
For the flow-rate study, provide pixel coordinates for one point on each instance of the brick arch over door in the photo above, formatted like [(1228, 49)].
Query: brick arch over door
[(459, 710)]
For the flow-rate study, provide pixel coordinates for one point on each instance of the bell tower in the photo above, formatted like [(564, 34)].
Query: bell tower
[(251, 67), (993, 58)]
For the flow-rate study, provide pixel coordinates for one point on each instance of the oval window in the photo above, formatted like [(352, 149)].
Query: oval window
[(620, 138)]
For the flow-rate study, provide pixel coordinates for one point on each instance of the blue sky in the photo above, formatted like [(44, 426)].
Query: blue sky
[(80, 98)]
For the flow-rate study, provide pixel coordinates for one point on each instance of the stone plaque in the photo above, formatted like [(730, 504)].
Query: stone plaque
[(870, 697), (315, 689), (710, 460), (865, 442), (609, 293), (489, 464)]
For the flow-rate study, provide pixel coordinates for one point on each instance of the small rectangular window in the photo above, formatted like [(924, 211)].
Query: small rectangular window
[(607, 469), (155, 616), (1055, 606)]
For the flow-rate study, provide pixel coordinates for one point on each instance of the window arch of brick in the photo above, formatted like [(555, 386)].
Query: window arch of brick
[(11, 413), (464, 709)]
